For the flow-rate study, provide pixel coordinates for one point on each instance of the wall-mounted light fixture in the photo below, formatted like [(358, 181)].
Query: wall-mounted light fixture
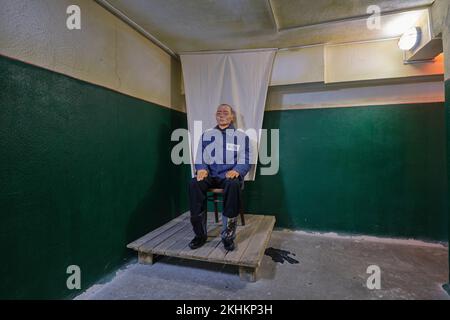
[(410, 39)]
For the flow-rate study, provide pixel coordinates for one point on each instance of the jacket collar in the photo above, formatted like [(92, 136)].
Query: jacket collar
[(231, 126)]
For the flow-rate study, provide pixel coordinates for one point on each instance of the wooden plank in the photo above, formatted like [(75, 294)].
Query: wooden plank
[(181, 243), (160, 248), (219, 254), (243, 240), (151, 244), (184, 235), (215, 245), (254, 252), (211, 244), (180, 240), (213, 231), (251, 241), (181, 247), (248, 274), (145, 258), (137, 243), (203, 253)]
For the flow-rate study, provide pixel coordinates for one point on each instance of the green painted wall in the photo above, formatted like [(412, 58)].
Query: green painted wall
[(377, 170), (83, 171)]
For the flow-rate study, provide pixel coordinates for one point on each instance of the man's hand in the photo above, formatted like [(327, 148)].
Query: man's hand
[(232, 174), (202, 174)]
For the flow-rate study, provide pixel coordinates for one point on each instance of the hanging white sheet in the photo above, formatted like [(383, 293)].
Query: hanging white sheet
[(239, 79)]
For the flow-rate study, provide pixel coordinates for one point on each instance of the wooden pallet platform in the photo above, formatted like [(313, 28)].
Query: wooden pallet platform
[(172, 240)]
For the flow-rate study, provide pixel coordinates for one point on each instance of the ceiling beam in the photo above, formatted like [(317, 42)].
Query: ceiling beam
[(273, 16)]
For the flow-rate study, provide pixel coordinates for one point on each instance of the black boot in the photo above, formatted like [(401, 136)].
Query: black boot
[(197, 242), (228, 244), (229, 234), (199, 225)]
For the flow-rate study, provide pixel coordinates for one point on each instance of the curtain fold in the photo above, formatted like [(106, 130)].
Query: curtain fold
[(240, 79)]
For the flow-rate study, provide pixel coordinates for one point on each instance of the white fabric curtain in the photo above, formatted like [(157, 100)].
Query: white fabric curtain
[(239, 79)]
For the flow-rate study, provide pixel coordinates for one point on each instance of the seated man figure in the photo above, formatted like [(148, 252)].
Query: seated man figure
[(225, 168)]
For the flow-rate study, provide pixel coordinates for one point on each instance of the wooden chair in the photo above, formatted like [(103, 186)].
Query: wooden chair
[(215, 198)]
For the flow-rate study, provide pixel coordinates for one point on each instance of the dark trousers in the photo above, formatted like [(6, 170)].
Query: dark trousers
[(198, 200)]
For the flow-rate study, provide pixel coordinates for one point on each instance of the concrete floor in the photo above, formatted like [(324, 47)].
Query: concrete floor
[(330, 267)]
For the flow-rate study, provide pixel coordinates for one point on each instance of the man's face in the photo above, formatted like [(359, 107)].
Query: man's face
[(224, 116)]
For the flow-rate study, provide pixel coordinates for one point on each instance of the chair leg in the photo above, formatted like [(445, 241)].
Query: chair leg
[(216, 209)]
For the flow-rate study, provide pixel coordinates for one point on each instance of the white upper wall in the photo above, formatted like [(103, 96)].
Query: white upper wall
[(105, 51), (300, 65), (330, 76), (322, 96), (357, 60), (374, 60)]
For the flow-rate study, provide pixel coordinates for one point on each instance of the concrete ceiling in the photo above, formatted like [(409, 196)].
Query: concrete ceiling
[(198, 25)]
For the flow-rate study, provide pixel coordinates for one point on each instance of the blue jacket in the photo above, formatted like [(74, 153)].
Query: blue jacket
[(235, 146)]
